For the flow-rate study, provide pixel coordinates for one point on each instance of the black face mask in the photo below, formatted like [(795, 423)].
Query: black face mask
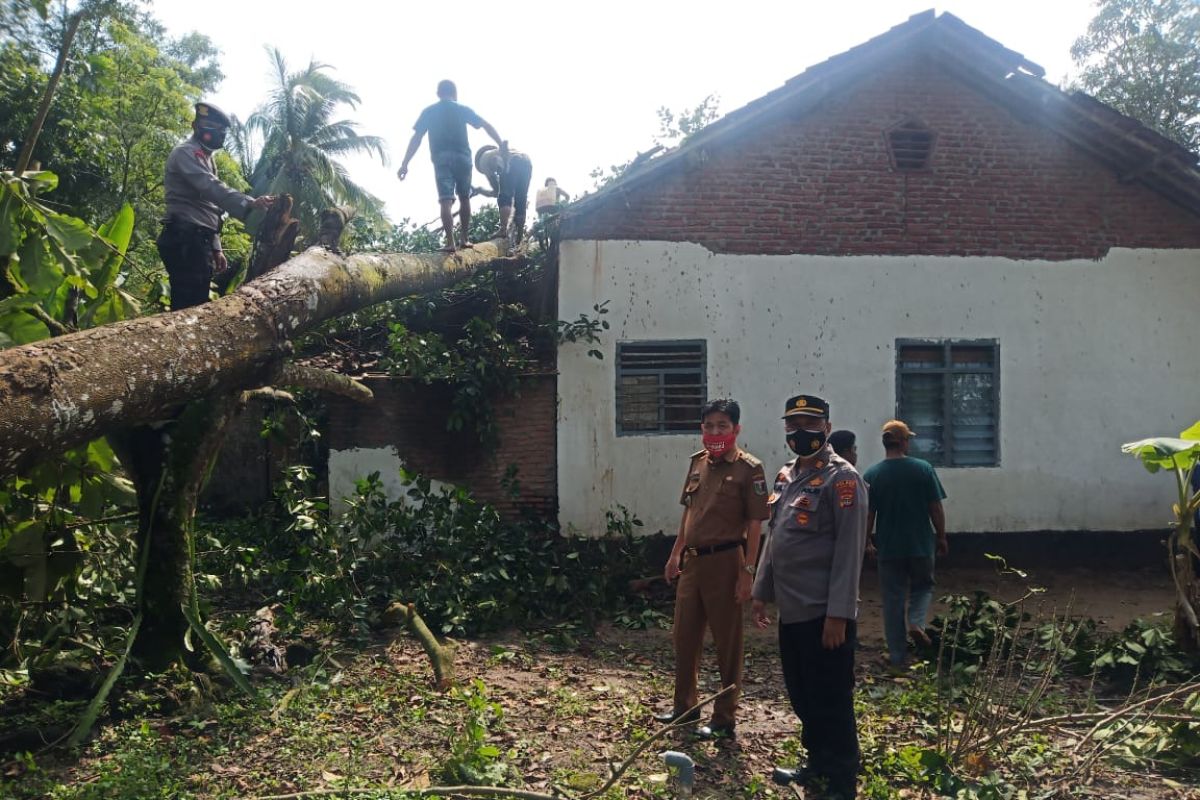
[(211, 138), (806, 443)]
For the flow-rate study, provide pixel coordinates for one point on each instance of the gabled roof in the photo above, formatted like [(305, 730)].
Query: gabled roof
[(1137, 153)]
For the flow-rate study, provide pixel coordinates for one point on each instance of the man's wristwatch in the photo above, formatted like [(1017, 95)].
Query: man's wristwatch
[(750, 569)]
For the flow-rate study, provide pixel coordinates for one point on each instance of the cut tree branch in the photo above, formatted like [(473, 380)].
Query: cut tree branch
[(323, 380), (61, 392), (441, 656)]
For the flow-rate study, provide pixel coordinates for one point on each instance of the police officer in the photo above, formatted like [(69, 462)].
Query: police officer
[(724, 503), (190, 242), (810, 569)]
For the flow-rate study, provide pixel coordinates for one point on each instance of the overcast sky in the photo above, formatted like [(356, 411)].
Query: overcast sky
[(573, 84)]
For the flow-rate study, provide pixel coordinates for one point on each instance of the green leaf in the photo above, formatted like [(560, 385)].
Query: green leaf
[(218, 650), (16, 303), (10, 232), (41, 181), (71, 232), (110, 309), (93, 708), (1192, 433), (1164, 452), (116, 232), (41, 273), (21, 328)]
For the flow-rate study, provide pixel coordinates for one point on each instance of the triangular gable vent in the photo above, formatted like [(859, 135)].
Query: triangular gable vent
[(910, 145)]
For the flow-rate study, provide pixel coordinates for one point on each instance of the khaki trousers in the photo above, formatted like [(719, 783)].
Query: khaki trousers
[(703, 599)]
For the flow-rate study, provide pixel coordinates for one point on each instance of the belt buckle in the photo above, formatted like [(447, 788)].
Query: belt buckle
[(692, 551)]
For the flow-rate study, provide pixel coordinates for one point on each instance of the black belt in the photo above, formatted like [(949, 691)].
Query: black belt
[(715, 548), (175, 222)]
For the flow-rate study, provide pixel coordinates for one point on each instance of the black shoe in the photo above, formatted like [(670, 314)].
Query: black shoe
[(803, 776), (713, 732), (666, 718)]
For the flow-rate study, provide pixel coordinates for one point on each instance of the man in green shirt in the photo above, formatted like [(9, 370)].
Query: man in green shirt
[(909, 524)]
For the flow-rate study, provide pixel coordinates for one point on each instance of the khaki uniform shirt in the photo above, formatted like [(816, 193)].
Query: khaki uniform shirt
[(812, 559), (721, 497), (195, 194)]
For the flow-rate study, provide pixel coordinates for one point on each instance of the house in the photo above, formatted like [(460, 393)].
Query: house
[(919, 227)]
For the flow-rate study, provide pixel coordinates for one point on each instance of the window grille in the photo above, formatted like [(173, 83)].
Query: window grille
[(661, 386)]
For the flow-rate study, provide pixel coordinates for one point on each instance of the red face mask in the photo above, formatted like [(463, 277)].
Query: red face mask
[(718, 446)]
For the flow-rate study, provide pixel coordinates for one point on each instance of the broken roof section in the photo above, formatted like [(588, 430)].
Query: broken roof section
[(1135, 152)]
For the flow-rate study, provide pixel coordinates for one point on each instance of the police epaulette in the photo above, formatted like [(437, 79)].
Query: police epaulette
[(700, 453)]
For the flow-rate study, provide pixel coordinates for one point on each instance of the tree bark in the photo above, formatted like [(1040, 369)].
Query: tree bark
[(58, 393), (168, 465)]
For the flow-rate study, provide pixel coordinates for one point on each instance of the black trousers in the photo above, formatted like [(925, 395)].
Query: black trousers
[(187, 253), (820, 685)]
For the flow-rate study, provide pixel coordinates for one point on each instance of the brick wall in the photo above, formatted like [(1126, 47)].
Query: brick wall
[(411, 418), (822, 183)]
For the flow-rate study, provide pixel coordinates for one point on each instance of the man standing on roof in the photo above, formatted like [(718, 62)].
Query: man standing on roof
[(446, 122), (190, 242), (509, 179)]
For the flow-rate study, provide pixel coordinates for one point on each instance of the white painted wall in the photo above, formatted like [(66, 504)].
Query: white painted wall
[(1092, 354), (347, 466)]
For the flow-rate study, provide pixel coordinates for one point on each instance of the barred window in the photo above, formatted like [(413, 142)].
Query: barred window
[(948, 391), (661, 386)]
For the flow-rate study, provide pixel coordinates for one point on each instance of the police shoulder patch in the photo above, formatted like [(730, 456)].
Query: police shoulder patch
[(760, 486), (847, 492)]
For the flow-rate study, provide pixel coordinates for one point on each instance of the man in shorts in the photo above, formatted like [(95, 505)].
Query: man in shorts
[(446, 122)]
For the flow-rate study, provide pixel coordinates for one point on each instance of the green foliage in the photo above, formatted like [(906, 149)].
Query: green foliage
[(1173, 744), (465, 568), (124, 101), (483, 358), (54, 559), (1145, 652), (1182, 457), (472, 760), (56, 269), (1143, 58), (481, 363)]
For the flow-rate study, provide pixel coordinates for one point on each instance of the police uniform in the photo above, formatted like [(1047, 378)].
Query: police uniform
[(721, 498), (811, 564), (195, 199)]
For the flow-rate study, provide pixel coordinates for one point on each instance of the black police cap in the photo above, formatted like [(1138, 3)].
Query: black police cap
[(806, 405), (207, 112)]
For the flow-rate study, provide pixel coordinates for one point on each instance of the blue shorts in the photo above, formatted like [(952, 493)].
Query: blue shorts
[(452, 171)]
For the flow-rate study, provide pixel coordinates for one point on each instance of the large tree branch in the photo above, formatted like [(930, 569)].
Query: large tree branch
[(323, 380), (58, 393)]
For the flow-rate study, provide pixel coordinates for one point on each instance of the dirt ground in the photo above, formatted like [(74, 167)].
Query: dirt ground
[(1113, 599), (568, 714)]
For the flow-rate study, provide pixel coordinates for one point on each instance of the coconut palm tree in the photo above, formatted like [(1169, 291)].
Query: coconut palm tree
[(301, 141)]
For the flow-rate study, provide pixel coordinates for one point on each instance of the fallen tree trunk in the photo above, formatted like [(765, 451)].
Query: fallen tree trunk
[(61, 392)]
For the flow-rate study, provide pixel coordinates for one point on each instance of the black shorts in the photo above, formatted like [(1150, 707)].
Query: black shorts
[(514, 184)]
